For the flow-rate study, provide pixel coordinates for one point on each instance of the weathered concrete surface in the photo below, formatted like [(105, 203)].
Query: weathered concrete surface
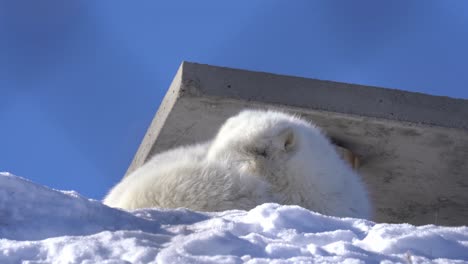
[(412, 147)]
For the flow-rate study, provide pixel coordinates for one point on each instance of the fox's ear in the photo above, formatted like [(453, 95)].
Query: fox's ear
[(287, 139)]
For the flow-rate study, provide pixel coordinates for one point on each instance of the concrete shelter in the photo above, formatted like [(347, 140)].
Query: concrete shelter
[(412, 147)]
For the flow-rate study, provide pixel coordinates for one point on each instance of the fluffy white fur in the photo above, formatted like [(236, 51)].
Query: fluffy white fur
[(183, 178), (256, 157)]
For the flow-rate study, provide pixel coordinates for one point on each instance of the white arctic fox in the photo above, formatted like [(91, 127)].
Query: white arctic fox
[(256, 157)]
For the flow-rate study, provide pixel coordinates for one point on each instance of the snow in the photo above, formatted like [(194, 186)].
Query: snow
[(42, 225)]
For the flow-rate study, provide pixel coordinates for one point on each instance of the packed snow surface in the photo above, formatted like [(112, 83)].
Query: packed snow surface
[(42, 225)]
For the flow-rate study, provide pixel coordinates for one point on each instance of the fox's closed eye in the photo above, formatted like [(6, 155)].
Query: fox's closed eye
[(260, 152)]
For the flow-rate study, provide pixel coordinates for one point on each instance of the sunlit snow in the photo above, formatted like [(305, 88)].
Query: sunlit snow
[(43, 225)]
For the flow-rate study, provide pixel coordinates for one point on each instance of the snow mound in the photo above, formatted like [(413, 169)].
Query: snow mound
[(39, 224)]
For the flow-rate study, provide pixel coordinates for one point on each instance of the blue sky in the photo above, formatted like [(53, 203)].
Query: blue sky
[(81, 80)]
